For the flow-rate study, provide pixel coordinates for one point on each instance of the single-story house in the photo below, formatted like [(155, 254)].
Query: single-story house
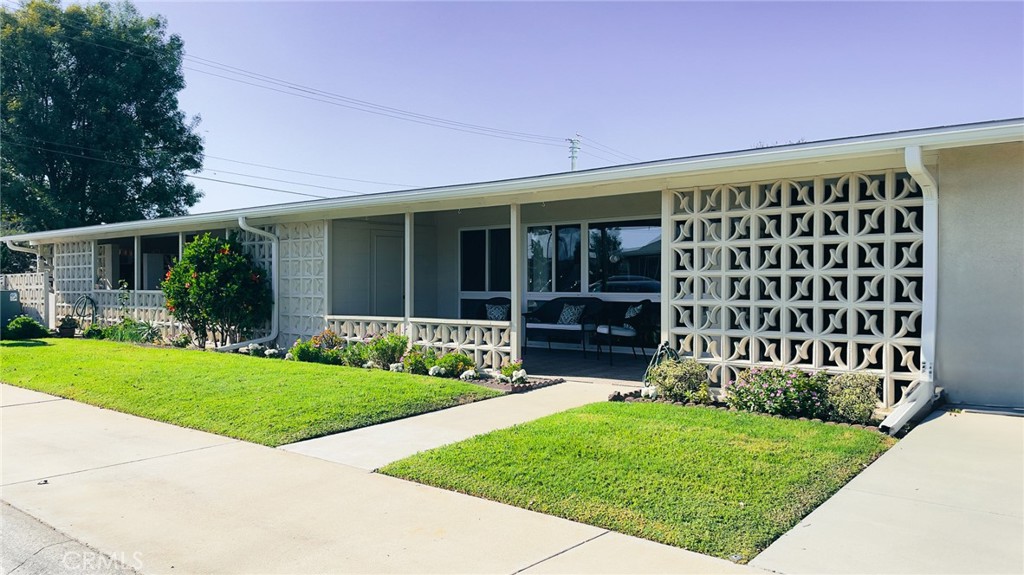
[(900, 253)]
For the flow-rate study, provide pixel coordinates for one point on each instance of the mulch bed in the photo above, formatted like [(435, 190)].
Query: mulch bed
[(531, 384)]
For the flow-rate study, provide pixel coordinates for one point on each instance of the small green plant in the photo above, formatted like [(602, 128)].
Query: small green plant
[(779, 391), (419, 361), (24, 327), (384, 350), (94, 331), (509, 368), (327, 339), (308, 352), (685, 381), (853, 396), (354, 354), (182, 340), (131, 330), (68, 322), (455, 363)]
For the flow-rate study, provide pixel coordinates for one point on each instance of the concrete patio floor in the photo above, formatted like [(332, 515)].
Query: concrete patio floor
[(948, 498), (184, 501)]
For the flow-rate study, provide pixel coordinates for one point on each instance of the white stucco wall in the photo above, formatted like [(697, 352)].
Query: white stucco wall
[(980, 329)]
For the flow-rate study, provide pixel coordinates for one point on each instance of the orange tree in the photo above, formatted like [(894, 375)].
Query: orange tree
[(217, 291)]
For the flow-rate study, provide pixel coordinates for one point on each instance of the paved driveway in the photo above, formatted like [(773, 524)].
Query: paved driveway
[(948, 498)]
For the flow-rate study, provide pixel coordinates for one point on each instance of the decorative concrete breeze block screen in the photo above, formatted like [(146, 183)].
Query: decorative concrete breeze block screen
[(821, 274)]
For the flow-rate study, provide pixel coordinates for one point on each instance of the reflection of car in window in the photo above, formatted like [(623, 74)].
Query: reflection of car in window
[(631, 284)]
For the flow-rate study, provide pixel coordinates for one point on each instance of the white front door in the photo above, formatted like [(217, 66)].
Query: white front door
[(386, 295)]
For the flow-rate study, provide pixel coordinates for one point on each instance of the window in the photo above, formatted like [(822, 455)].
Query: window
[(486, 260), (625, 257), (553, 258)]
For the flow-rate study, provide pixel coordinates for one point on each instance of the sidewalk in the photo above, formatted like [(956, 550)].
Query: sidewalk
[(948, 498), (372, 447), (184, 501)]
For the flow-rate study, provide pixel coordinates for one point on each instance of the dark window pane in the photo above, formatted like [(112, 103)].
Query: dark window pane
[(567, 264), (625, 257), (538, 259), (474, 252), (500, 260)]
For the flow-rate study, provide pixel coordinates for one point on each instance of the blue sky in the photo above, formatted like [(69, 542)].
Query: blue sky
[(650, 80)]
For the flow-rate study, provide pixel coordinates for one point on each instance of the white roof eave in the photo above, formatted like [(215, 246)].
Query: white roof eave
[(865, 146)]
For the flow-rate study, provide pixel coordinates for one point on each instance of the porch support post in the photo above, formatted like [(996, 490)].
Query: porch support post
[(409, 228), (181, 245), (138, 263), (516, 283), (667, 232)]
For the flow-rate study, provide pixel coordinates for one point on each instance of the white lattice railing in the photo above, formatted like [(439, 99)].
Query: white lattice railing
[(359, 328), (487, 342), (143, 305), (32, 289)]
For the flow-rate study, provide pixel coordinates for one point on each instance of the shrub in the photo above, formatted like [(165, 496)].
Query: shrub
[(24, 327), (182, 340), (307, 351), (387, 349), (510, 368), (354, 354), (133, 331), (454, 364), (327, 339), (778, 391), (419, 361), (685, 381), (217, 289), (852, 397), (94, 331)]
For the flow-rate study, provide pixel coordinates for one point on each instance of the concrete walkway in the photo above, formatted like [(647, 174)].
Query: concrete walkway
[(949, 498), (180, 501), (375, 446)]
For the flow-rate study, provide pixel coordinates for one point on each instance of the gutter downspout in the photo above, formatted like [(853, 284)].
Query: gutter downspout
[(16, 248), (275, 282), (918, 398)]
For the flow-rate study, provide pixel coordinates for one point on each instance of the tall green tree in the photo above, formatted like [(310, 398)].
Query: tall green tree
[(90, 130)]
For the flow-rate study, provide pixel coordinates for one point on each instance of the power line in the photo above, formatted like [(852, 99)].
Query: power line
[(335, 99), (214, 170), (309, 173), (186, 175), (609, 149), (592, 154)]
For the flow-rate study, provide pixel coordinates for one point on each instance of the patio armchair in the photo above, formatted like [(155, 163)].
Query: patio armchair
[(564, 318), (629, 323)]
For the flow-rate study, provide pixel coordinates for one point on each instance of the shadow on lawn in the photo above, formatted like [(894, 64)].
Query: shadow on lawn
[(23, 343)]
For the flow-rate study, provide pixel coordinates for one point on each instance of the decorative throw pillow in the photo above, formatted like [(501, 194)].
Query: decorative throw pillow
[(497, 312), (631, 312), (571, 314)]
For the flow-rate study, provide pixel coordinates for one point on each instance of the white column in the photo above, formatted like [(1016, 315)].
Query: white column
[(667, 204), (409, 228), (516, 281), (138, 263), (181, 245)]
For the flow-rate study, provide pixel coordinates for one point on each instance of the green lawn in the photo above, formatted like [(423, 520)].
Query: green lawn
[(716, 482), (266, 401)]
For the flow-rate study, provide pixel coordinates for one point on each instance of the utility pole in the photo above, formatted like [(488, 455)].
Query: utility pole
[(574, 148)]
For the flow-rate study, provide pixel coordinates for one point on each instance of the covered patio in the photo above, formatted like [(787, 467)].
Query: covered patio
[(461, 280)]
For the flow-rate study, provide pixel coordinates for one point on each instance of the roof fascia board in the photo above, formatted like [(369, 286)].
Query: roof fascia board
[(867, 146)]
